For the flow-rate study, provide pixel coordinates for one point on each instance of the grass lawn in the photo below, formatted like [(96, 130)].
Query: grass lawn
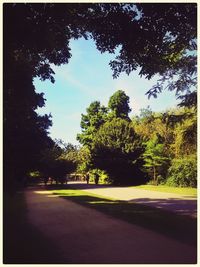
[(185, 191), (179, 227)]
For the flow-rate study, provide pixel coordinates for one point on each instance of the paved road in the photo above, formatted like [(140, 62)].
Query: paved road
[(185, 205), (83, 235)]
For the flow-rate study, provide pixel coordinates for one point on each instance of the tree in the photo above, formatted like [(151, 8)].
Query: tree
[(60, 169), (84, 159), (148, 124), (90, 123), (70, 152), (156, 38), (185, 132), (143, 124), (34, 37), (154, 157), (119, 105), (56, 162), (146, 114), (116, 150), (176, 132), (25, 133)]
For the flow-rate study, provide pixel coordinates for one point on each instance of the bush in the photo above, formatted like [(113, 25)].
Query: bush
[(183, 172), (103, 176)]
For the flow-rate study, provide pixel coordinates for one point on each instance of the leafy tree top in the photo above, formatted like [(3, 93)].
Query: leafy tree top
[(116, 134), (119, 105), (91, 121), (153, 154)]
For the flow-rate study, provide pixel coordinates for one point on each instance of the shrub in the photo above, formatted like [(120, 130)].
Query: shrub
[(103, 176), (183, 172)]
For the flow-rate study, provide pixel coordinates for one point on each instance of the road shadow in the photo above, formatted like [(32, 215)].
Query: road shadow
[(179, 227), (182, 206), (22, 242)]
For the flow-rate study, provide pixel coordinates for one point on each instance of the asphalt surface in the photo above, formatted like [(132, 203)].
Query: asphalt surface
[(83, 235)]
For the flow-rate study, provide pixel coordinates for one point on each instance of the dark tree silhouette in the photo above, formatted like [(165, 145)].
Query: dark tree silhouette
[(117, 150)]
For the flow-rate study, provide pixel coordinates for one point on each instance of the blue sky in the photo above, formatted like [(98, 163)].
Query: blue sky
[(86, 78)]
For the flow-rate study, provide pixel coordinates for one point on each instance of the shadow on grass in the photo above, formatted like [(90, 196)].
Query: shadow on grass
[(183, 206), (22, 242), (179, 227)]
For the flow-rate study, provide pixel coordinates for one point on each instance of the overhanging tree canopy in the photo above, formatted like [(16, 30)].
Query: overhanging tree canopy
[(158, 38)]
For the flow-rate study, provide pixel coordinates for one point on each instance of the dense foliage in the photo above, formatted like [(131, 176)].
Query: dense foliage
[(183, 172), (58, 161), (90, 123), (116, 150), (154, 157), (176, 130), (155, 147), (114, 146)]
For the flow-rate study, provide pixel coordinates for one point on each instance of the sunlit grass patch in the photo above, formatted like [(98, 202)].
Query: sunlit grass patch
[(77, 193), (101, 202), (187, 191)]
